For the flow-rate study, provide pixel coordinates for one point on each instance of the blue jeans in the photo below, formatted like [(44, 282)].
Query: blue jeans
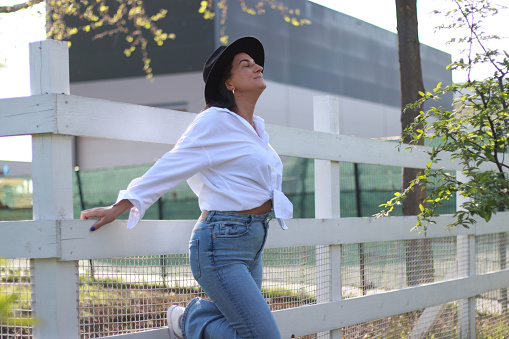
[(226, 260)]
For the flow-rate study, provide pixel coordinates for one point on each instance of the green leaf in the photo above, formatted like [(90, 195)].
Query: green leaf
[(487, 216)]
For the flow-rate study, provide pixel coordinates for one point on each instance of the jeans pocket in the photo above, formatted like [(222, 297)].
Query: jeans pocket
[(231, 229), (194, 258)]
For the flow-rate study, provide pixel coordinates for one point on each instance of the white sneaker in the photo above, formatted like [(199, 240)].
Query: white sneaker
[(174, 315)]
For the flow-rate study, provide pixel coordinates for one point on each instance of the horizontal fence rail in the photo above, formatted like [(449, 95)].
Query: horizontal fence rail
[(74, 241), (79, 116), (362, 309)]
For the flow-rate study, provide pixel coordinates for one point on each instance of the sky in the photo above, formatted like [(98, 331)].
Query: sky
[(14, 70), (14, 40)]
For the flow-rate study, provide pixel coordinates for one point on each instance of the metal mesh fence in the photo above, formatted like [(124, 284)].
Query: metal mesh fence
[(383, 266), (491, 252), (437, 322), (363, 189), (289, 276), (492, 307), (492, 318), (15, 287), (132, 294), (125, 295)]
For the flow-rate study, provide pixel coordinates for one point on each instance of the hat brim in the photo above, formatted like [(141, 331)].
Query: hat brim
[(249, 45)]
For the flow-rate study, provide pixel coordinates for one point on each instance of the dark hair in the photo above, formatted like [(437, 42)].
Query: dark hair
[(223, 98)]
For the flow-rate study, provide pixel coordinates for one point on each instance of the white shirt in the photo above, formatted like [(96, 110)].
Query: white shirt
[(227, 164)]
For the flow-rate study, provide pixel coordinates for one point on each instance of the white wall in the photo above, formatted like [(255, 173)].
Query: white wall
[(280, 105), (293, 106), (182, 91), (162, 90)]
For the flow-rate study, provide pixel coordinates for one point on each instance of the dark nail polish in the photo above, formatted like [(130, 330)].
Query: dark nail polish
[(92, 228)]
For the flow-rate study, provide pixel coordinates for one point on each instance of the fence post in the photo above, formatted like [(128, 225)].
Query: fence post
[(466, 268), (327, 205), (54, 283)]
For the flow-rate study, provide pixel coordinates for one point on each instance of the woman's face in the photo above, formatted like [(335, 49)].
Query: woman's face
[(246, 75)]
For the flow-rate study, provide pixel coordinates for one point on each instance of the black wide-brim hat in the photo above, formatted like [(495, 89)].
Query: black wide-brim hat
[(223, 56)]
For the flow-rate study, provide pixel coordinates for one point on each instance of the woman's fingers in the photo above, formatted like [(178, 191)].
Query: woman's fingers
[(98, 224), (104, 214), (84, 215)]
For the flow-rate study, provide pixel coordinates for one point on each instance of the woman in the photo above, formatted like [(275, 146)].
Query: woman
[(228, 162)]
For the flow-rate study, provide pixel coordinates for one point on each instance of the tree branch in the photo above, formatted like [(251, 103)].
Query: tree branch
[(474, 145), (18, 7), (501, 86), (471, 27), (495, 145)]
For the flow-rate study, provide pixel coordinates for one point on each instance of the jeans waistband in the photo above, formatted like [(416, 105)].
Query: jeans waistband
[(209, 216)]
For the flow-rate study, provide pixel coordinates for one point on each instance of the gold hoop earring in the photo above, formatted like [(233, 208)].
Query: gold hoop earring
[(233, 91)]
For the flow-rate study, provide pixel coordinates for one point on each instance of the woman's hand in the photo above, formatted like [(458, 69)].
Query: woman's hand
[(106, 214)]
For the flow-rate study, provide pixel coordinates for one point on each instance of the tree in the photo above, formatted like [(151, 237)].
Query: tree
[(474, 132), (290, 15), (129, 18), (66, 18), (419, 254)]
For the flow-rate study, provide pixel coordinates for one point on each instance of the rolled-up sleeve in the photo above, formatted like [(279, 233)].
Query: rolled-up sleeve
[(172, 169), (183, 161)]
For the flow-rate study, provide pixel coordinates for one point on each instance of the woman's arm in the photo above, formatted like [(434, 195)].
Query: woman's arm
[(188, 157), (106, 214)]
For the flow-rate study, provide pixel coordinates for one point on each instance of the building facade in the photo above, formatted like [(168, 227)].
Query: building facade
[(336, 55)]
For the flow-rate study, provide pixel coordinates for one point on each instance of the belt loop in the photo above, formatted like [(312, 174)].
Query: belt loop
[(209, 216), (250, 219), (267, 219)]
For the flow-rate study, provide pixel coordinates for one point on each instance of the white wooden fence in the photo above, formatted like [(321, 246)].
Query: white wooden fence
[(55, 242)]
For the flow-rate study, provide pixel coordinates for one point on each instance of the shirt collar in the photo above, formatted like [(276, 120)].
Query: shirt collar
[(259, 123)]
